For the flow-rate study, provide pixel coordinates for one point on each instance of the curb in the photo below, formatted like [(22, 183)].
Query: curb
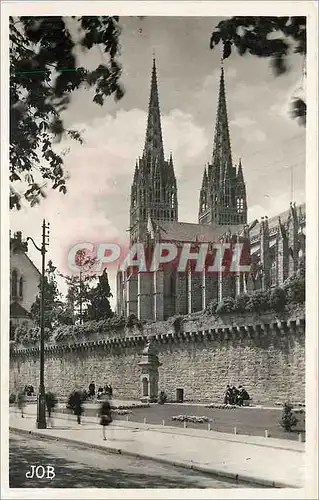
[(170, 430), (209, 471)]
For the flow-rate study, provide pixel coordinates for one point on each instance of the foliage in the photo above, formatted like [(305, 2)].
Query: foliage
[(191, 418), (277, 299), (76, 397), (98, 297), (50, 400), (79, 286), (241, 302), (177, 323), (222, 406), (295, 288), (130, 406), (212, 307), (26, 335), (12, 398), (132, 321), (44, 73), (68, 332), (259, 301), (266, 37), (288, 419), (53, 306), (162, 398), (227, 305)]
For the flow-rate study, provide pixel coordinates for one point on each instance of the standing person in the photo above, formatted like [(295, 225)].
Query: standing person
[(228, 395), (50, 401), (78, 406), (75, 403), (21, 402), (92, 390), (110, 391), (105, 416), (234, 395)]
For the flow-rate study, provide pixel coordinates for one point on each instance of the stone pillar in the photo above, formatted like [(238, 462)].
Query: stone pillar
[(204, 289), (264, 253), (149, 365), (130, 290), (158, 278), (189, 291), (145, 296)]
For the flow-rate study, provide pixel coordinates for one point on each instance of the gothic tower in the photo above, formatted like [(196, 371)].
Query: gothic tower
[(154, 189), (223, 198)]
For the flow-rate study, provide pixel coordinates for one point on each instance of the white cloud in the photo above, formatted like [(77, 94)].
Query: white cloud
[(96, 207)]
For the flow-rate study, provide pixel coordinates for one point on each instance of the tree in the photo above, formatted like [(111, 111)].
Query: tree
[(270, 37), (43, 75), (52, 300), (99, 305), (79, 286)]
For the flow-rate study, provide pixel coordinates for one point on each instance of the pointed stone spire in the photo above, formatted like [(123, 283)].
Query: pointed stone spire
[(240, 175), (222, 158), (153, 147)]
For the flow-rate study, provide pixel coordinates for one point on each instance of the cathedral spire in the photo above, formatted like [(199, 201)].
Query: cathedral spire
[(153, 148), (222, 149)]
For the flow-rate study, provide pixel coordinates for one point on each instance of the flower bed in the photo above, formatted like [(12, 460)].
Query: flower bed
[(132, 406), (191, 418), (121, 412), (222, 406)]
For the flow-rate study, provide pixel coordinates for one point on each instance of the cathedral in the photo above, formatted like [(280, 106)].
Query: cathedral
[(276, 245)]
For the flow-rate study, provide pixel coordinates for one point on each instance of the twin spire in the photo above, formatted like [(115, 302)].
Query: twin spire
[(153, 148)]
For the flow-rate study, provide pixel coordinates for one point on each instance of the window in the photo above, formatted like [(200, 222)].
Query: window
[(14, 283), (21, 287), (273, 273), (240, 205)]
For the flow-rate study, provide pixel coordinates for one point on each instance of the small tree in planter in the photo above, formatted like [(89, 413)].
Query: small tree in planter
[(227, 305), (288, 419), (162, 398), (211, 308), (277, 299)]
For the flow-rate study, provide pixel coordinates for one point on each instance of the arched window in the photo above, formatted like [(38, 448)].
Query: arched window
[(273, 274), (240, 205), (21, 287), (14, 283)]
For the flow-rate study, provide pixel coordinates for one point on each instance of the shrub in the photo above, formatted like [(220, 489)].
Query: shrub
[(258, 301), (191, 418), (288, 419), (241, 302), (51, 400), (227, 305), (295, 288), (277, 299), (162, 398), (132, 321), (12, 398), (177, 323), (212, 306)]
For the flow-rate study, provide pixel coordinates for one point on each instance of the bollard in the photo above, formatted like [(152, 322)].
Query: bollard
[(163, 422), (144, 420), (300, 437), (235, 430), (127, 418), (185, 425), (266, 434), (208, 427)]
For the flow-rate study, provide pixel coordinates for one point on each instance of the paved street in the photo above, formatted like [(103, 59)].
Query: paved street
[(78, 468)]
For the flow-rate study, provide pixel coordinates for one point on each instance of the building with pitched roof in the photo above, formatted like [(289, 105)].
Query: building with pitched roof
[(24, 282), (276, 245)]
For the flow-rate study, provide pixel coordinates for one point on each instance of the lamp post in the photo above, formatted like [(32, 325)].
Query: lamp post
[(41, 420)]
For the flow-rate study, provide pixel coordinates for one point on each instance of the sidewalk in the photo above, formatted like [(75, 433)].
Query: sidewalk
[(267, 462)]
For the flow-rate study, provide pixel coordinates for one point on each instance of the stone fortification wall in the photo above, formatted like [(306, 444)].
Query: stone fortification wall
[(201, 354)]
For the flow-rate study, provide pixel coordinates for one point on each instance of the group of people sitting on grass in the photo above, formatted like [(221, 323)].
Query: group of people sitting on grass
[(234, 396), (106, 391)]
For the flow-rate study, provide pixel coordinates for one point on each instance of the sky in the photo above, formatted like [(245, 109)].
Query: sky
[(270, 144)]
